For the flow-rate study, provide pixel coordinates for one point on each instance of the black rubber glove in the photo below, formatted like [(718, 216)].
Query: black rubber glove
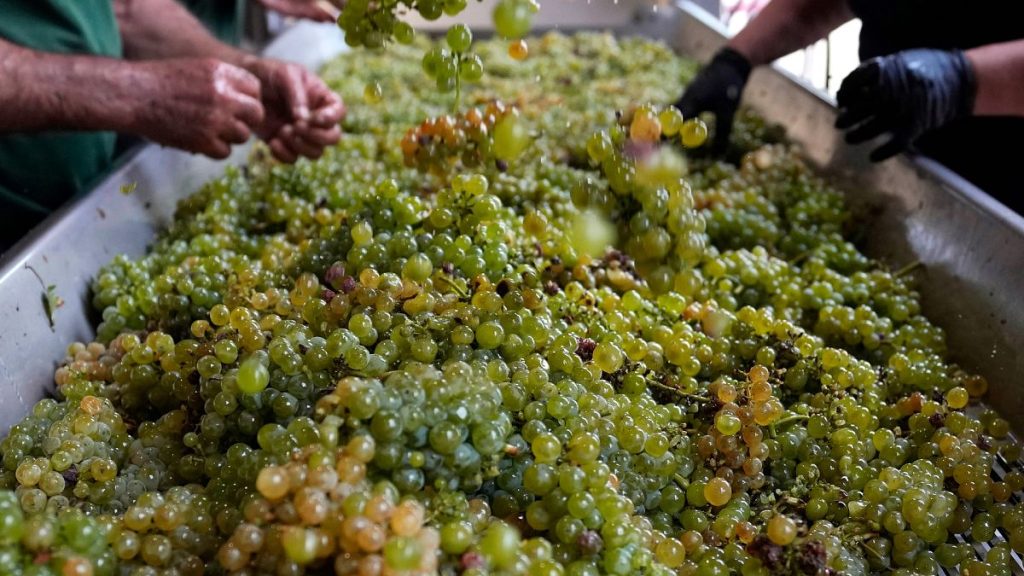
[(717, 89), (905, 95)]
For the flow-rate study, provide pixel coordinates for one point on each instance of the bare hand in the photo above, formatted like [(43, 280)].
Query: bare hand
[(196, 104), (308, 9), (302, 113)]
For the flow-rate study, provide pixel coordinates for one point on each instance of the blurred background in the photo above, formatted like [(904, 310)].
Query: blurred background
[(822, 65)]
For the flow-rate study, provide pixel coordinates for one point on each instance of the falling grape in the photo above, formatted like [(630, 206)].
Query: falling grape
[(373, 93), (693, 133), (518, 50)]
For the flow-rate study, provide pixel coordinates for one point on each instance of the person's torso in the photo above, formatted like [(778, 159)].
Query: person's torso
[(977, 148), (893, 25), (223, 18), (39, 172)]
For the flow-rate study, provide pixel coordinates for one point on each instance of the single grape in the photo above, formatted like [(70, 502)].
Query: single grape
[(459, 38)]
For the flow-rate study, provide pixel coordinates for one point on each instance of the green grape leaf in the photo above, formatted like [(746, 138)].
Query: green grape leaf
[(51, 302)]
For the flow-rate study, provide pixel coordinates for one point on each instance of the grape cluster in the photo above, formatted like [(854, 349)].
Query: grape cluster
[(449, 68), (319, 511), (452, 361), (374, 24), (470, 139), (645, 192)]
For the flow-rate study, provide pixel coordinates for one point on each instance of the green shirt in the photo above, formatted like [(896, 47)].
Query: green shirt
[(39, 172), (223, 18)]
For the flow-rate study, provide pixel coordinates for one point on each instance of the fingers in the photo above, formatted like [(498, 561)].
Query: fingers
[(687, 106), (282, 152), (249, 110), (891, 148), (291, 142), (326, 106), (293, 86), (723, 129), (215, 148), (309, 9), (235, 132), (241, 80), (329, 115), (849, 117), (297, 143), (858, 97), (242, 90), (860, 84), (863, 111), (321, 137), (867, 130)]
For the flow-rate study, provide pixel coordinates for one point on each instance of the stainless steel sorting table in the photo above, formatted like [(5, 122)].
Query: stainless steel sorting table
[(972, 246)]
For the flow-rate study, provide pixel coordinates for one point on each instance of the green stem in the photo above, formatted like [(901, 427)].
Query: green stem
[(799, 257), (908, 268), (676, 391), (787, 420), (793, 418), (457, 104), (455, 287)]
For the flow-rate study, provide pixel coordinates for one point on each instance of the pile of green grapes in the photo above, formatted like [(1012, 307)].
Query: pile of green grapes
[(590, 353)]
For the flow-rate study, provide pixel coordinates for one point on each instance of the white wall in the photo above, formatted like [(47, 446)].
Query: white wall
[(553, 13), (810, 63)]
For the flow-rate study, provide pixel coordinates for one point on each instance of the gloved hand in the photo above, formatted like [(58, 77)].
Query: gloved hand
[(717, 89), (905, 95)]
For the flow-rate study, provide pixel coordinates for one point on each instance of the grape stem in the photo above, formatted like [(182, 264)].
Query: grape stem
[(799, 257), (676, 391), (786, 420), (458, 84), (455, 287), (908, 268)]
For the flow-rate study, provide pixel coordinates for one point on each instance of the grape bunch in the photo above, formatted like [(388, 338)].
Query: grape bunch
[(453, 66), (374, 24), (645, 192), (474, 139), (319, 511), (562, 344)]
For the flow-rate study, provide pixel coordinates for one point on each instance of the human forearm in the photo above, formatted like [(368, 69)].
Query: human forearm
[(301, 114), (44, 91), (155, 29), (197, 104), (999, 77), (787, 25)]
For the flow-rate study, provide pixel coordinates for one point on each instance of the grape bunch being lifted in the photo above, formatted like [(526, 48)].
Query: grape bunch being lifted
[(542, 333)]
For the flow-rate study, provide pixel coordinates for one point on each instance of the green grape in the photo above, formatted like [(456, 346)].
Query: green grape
[(402, 553), (512, 18), (510, 138), (404, 33), (459, 38), (499, 544), (471, 68), (253, 376)]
